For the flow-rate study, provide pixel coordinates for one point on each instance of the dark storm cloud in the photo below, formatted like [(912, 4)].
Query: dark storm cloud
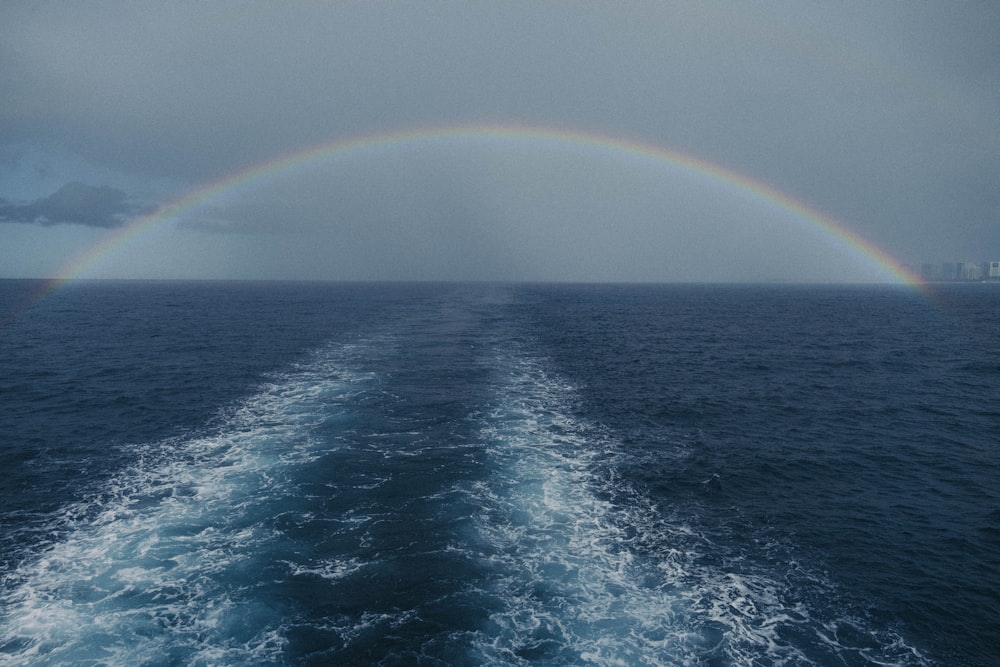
[(74, 203)]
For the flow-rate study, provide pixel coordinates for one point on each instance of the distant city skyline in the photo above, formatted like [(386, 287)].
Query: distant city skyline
[(965, 270)]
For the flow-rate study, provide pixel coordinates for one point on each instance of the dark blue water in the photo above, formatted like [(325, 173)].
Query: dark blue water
[(313, 474)]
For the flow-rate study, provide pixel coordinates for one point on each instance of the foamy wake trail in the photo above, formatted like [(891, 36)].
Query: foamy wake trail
[(589, 571), (161, 567), (569, 587)]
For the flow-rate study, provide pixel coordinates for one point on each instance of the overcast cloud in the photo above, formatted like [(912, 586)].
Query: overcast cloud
[(885, 116)]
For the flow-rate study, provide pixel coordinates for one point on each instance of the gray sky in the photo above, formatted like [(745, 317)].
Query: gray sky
[(882, 115)]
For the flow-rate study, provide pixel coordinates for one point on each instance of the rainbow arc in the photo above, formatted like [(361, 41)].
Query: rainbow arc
[(343, 149)]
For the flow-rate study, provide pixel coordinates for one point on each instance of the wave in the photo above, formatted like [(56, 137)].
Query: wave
[(163, 565), (590, 570), (344, 515)]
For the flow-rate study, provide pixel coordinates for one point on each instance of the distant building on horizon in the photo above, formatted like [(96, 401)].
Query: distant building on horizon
[(960, 271)]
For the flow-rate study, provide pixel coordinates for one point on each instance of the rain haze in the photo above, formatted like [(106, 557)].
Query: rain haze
[(497, 141)]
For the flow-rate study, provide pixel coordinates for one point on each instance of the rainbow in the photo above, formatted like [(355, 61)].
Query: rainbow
[(346, 148)]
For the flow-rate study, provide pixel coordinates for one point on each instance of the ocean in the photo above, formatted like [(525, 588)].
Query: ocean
[(212, 473)]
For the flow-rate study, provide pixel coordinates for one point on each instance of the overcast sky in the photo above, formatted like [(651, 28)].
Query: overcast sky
[(882, 115)]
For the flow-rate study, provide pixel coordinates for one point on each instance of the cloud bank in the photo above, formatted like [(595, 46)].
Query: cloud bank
[(74, 203)]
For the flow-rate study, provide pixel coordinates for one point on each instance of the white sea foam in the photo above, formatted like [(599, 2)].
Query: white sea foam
[(572, 590), (580, 566), (331, 568), (161, 567), (589, 571)]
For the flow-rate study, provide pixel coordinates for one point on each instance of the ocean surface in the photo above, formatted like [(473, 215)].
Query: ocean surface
[(480, 474)]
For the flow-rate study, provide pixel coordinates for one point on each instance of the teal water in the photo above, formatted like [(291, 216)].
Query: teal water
[(315, 474)]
